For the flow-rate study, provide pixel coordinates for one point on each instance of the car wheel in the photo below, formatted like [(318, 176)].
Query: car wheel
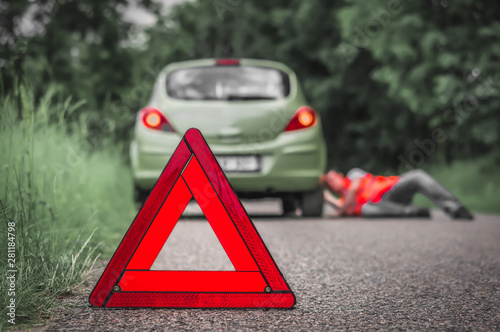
[(312, 203), (140, 195), (288, 204)]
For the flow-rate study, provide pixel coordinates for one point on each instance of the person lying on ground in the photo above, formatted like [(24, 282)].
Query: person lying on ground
[(364, 194)]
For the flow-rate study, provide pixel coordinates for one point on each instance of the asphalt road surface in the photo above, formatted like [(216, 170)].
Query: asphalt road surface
[(347, 274)]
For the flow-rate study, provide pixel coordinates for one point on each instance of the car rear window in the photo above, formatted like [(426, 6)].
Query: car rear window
[(228, 83)]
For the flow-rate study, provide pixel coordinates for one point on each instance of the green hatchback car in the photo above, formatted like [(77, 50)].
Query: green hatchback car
[(255, 119)]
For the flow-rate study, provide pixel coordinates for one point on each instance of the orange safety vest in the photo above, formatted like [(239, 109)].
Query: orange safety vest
[(371, 189)]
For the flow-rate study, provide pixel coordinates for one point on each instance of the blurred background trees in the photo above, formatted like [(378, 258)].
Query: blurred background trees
[(398, 83)]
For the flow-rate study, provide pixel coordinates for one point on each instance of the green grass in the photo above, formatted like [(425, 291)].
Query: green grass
[(64, 196), (475, 182)]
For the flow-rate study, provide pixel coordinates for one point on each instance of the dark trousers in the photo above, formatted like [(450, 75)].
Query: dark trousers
[(397, 201)]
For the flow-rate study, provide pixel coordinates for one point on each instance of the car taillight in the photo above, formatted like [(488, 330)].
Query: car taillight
[(227, 62), (305, 117), (154, 119)]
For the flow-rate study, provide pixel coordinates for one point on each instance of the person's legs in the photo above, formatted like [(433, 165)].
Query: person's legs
[(388, 209), (419, 181)]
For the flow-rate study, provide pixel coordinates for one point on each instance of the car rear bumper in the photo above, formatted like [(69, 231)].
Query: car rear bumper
[(292, 162)]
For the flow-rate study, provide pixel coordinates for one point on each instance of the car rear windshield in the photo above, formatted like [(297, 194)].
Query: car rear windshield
[(228, 83)]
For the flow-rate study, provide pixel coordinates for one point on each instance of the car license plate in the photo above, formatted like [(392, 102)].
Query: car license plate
[(239, 163)]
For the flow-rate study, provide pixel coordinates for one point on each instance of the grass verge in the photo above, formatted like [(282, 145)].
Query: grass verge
[(475, 182), (61, 195)]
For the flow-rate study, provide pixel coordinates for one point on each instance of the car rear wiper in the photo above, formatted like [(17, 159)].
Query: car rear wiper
[(200, 98), (249, 97)]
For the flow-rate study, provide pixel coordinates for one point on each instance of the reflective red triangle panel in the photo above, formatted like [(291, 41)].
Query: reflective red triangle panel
[(192, 172)]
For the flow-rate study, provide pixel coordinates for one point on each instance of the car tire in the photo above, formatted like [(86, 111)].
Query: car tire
[(289, 206), (312, 203), (140, 195)]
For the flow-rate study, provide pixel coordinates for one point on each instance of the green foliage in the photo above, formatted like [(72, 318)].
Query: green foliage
[(435, 62), (382, 73), (80, 47), (57, 194)]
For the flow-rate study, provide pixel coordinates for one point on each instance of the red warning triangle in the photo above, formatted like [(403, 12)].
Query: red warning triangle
[(128, 280)]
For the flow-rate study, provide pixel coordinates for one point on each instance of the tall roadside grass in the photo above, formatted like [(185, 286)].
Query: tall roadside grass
[(65, 197)]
